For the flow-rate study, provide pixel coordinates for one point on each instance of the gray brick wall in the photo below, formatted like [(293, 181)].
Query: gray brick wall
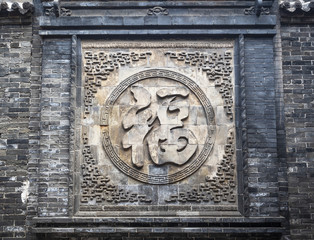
[(34, 125), (15, 67), (261, 127), (298, 71), (54, 130)]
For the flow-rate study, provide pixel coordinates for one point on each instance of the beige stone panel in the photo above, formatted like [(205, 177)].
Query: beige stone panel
[(196, 120), (102, 94), (200, 131), (221, 119), (94, 135)]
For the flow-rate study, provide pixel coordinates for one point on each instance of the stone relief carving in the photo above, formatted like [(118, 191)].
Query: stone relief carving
[(98, 67), (146, 125), (161, 125), (64, 12), (252, 11), (220, 188), (217, 68), (157, 11), (169, 142), (55, 11), (98, 188)]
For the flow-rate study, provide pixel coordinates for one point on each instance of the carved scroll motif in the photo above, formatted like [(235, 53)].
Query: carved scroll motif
[(217, 68), (99, 65), (97, 187), (157, 11), (221, 188), (252, 11)]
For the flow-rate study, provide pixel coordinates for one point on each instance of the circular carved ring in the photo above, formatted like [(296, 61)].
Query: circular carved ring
[(192, 165)]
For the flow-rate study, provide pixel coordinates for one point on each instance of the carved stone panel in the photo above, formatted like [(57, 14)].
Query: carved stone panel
[(157, 127)]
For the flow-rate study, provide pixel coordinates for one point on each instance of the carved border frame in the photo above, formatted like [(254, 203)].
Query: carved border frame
[(190, 168), (77, 92)]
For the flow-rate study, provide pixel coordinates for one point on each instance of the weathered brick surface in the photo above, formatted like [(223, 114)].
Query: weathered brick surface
[(298, 70), (261, 127), (15, 67), (54, 131), (34, 124)]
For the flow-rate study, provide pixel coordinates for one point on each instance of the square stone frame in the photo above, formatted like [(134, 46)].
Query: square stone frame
[(77, 89)]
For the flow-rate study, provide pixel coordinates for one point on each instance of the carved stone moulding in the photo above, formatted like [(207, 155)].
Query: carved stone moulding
[(157, 126)]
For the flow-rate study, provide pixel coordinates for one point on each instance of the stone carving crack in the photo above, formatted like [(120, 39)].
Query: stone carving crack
[(98, 67), (217, 68), (221, 188), (98, 188)]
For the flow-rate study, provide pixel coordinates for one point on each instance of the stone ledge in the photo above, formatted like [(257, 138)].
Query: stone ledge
[(236, 225), (159, 32), (143, 4), (157, 230), (158, 21), (252, 220)]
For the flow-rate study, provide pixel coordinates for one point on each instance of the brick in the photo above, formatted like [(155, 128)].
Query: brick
[(304, 95)]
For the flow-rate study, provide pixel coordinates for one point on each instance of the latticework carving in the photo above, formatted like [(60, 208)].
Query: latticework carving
[(221, 188), (98, 188), (99, 65), (218, 69)]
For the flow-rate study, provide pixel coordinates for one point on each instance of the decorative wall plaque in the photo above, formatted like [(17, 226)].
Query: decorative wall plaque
[(157, 126)]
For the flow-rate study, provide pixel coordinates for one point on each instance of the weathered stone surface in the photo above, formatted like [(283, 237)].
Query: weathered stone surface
[(157, 121)]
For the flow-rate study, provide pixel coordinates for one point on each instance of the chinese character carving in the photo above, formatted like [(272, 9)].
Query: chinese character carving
[(170, 142), (167, 143), (136, 120), (165, 130)]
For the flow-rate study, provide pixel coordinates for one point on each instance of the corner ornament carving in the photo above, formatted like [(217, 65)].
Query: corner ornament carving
[(220, 188), (217, 68), (99, 188), (157, 11), (155, 125), (98, 67)]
